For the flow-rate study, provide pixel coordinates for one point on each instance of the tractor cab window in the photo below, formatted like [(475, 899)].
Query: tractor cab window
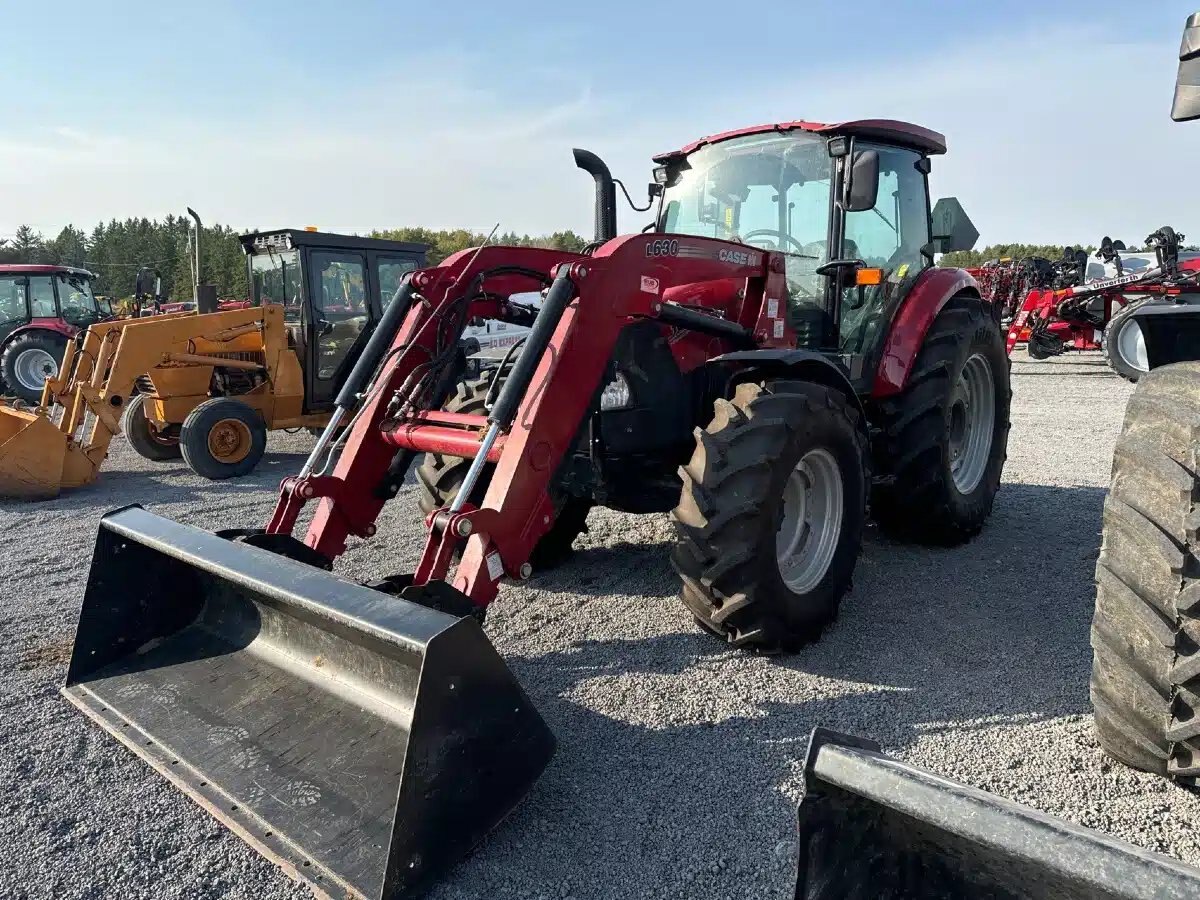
[(76, 303), (339, 299), (41, 297), (391, 273), (888, 237), (769, 191), (12, 299), (276, 279)]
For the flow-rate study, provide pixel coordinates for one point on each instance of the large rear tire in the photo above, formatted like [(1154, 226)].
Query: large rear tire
[(223, 438), (943, 440), (1123, 346), (439, 478), (1145, 683), (141, 435), (770, 518), (28, 360)]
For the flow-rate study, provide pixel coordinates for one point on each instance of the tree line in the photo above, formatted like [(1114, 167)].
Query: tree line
[(115, 250)]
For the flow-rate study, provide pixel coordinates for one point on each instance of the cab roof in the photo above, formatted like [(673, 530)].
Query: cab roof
[(305, 238), (40, 269), (888, 131)]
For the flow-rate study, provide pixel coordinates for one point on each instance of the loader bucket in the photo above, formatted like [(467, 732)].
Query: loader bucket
[(873, 827), (32, 455), (362, 742)]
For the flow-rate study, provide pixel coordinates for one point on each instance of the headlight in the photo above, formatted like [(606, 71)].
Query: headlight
[(616, 394)]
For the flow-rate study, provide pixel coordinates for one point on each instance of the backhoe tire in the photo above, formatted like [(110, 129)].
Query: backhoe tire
[(28, 359), (223, 438), (942, 441), (1145, 685), (141, 434), (439, 477), (1116, 350), (770, 518)]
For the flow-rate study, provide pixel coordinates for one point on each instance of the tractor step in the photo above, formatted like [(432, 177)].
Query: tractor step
[(362, 742), (870, 826)]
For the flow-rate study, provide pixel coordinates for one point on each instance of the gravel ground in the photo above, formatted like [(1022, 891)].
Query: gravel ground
[(677, 770)]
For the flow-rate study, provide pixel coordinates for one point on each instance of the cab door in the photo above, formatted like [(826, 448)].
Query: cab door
[(339, 320)]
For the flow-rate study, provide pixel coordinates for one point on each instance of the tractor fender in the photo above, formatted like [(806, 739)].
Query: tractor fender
[(917, 311), (806, 365), (58, 326)]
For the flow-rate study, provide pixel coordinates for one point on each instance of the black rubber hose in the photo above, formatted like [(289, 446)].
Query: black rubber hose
[(385, 332), (558, 298)]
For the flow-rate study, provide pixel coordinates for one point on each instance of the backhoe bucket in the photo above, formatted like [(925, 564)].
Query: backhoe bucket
[(873, 827), (362, 742), (33, 454)]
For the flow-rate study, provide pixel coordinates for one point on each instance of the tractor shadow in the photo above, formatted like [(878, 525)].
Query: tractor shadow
[(930, 641)]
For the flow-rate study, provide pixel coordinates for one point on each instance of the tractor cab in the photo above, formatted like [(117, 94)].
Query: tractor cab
[(333, 288), (847, 205)]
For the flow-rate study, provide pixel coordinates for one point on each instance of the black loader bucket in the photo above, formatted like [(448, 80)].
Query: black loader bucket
[(362, 742), (872, 827)]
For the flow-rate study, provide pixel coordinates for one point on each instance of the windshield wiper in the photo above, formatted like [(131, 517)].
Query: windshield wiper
[(885, 220)]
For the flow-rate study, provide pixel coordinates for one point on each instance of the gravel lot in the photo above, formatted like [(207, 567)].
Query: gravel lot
[(677, 770)]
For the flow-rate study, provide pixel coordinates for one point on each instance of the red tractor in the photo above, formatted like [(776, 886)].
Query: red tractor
[(41, 308), (771, 357)]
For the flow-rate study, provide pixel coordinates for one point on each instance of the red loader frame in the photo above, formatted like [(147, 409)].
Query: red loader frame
[(518, 509)]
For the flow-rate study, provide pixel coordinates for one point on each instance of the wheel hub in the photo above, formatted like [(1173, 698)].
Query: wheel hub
[(229, 441), (972, 423), (812, 521), (33, 367)]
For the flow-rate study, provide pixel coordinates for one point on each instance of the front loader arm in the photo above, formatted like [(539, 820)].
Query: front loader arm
[(99, 371), (535, 420)]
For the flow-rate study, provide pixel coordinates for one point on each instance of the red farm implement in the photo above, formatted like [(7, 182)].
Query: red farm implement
[(1098, 315)]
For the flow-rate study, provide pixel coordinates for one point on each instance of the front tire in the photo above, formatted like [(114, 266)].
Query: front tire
[(943, 440), (142, 437), (223, 438), (1123, 345), (770, 518), (1145, 685), (28, 360)]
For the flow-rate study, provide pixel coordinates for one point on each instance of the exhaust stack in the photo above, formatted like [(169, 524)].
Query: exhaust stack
[(606, 193)]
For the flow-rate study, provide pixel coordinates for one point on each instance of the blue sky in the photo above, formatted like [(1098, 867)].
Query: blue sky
[(359, 115)]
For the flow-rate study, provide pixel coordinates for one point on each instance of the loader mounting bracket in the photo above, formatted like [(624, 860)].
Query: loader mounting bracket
[(435, 595), (280, 544)]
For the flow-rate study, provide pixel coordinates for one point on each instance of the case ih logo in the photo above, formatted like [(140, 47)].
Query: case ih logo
[(738, 257)]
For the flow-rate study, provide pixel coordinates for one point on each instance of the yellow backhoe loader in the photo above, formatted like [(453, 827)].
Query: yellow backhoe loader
[(208, 386)]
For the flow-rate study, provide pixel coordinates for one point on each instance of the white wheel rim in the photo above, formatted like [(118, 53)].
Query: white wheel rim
[(1131, 346), (33, 367), (972, 423), (812, 521)]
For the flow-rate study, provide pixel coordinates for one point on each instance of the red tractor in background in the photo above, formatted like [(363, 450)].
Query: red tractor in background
[(41, 308), (774, 351)]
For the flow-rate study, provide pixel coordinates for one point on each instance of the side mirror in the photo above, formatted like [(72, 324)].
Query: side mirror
[(1186, 105), (952, 227), (860, 189)]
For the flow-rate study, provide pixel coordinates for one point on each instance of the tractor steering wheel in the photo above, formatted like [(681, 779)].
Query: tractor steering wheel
[(779, 236)]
